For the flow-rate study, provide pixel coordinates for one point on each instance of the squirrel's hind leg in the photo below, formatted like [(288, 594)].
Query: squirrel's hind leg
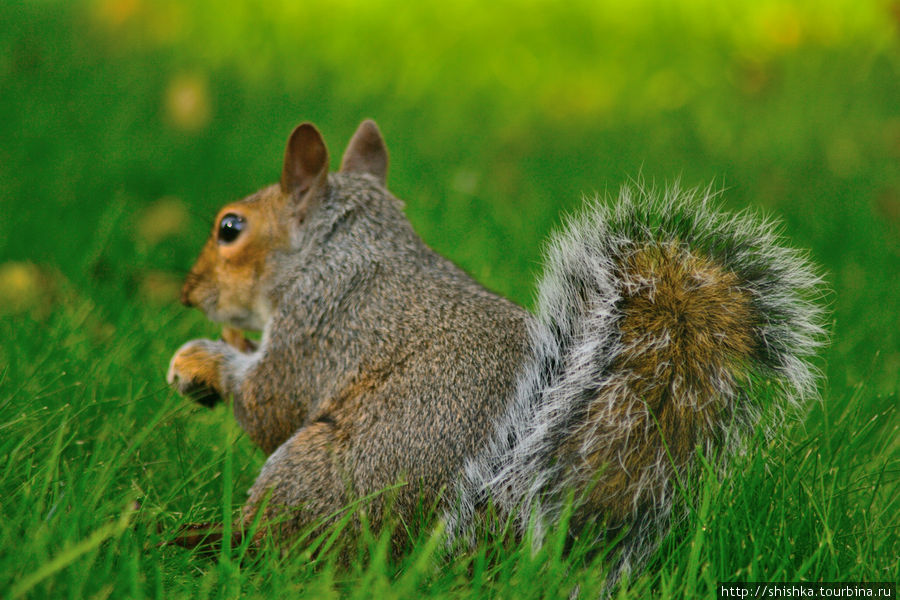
[(300, 489), (302, 485)]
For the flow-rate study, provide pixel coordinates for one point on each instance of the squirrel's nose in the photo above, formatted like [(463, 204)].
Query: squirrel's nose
[(186, 295)]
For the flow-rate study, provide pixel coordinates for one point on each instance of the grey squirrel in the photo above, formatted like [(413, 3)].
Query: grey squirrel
[(663, 328)]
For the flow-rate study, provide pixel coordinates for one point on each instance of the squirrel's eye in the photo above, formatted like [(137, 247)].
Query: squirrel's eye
[(230, 227)]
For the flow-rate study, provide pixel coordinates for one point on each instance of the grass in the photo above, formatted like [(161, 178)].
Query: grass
[(126, 124)]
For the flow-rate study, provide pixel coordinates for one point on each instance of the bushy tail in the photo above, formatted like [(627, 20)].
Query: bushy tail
[(662, 325)]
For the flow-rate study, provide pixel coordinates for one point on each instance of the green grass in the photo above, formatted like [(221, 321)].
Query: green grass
[(126, 124)]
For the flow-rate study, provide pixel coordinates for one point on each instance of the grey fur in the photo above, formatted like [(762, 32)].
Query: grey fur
[(359, 297)]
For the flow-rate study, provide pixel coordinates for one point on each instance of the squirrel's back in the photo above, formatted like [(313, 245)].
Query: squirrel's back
[(663, 326), (400, 350)]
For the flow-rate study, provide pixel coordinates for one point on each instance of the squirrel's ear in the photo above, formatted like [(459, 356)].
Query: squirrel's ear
[(305, 161), (366, 152)]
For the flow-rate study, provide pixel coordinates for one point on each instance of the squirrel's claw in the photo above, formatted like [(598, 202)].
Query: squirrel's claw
[(201, 394)]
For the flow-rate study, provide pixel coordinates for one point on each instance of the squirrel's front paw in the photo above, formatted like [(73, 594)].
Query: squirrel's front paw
[(194, 371)]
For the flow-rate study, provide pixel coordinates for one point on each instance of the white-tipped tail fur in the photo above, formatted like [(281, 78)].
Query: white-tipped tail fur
[(663, 325)]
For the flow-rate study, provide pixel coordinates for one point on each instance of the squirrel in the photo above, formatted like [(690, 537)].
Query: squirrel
[(664, 330)]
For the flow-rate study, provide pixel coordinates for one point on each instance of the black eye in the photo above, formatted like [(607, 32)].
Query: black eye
[(230, 227)]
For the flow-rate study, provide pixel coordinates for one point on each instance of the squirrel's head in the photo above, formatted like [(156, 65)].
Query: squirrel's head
[(235, 275)]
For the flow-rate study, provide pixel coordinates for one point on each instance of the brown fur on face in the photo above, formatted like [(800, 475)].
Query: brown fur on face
[(229, 280), (680, 313)]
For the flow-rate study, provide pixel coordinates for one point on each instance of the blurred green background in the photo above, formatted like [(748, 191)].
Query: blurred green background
[(125, 124)]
